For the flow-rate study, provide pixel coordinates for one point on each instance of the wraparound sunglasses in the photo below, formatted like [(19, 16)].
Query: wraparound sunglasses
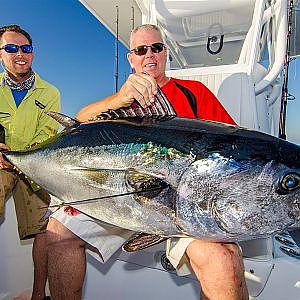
[(142, 50), (12, 48)]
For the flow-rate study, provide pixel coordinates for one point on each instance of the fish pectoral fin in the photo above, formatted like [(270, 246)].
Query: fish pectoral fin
[(148, 185), (142, 241), (97, 175)]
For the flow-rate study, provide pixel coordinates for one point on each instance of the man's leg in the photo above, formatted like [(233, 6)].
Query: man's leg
[(220, 270), (39, 256), (31, 207), (66, 262), (7, 182)]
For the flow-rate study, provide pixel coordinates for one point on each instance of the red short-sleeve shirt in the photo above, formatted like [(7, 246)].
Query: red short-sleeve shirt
[(207, 105)]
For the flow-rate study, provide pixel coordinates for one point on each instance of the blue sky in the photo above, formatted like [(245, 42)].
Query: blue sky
[(76, 53), (73, 50)]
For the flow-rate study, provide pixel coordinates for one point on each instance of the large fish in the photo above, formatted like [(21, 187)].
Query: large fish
[(171, 176)]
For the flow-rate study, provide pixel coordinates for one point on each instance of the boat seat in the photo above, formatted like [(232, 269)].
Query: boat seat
[(232, 86)]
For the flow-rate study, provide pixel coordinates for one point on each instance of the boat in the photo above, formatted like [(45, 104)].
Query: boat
[(240, 49)]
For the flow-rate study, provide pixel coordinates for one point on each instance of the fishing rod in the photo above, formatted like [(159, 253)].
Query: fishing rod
[(285, 95)]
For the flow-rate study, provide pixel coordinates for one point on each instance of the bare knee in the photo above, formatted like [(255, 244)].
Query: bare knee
[(219, 268), (207, 257), (60, 235), (66, 261)]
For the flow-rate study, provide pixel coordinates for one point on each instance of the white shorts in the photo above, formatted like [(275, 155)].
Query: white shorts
[(107, 239), (104, 238)]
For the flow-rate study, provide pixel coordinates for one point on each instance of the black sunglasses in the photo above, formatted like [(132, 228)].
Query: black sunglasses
[(12, 48), (142, 50)]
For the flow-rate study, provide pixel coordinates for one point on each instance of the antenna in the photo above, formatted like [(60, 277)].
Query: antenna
[(117, 49), (132, 18), (132, 27)]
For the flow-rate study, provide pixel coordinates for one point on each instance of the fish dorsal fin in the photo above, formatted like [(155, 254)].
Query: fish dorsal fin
[(142, 241), (60, 118), (160, 109), (63, 119)]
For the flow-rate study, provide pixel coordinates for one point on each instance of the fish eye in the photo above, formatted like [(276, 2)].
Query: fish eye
[(289, 182)]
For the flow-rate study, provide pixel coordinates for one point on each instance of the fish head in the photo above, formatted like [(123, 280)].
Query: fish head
[(238, 200)]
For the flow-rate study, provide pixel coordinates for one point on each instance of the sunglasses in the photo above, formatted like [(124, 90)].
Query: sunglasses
[(142, 50), (12, 48)]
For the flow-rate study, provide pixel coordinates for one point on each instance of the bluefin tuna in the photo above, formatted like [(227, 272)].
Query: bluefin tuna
[(171, 176)]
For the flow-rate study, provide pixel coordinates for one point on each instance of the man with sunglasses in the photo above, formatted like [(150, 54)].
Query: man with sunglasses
[(148, 56), (25, 125), (218, 266)]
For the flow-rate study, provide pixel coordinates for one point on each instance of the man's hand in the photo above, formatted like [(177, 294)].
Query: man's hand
[(4, 164), (140, 87)]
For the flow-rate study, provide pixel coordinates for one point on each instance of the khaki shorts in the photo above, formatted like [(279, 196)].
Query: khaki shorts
[(31, 206)]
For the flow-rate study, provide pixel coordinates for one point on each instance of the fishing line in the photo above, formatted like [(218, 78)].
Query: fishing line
[(92, 200)]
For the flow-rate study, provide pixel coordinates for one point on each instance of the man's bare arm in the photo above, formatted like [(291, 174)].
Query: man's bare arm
[(139, 87)]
